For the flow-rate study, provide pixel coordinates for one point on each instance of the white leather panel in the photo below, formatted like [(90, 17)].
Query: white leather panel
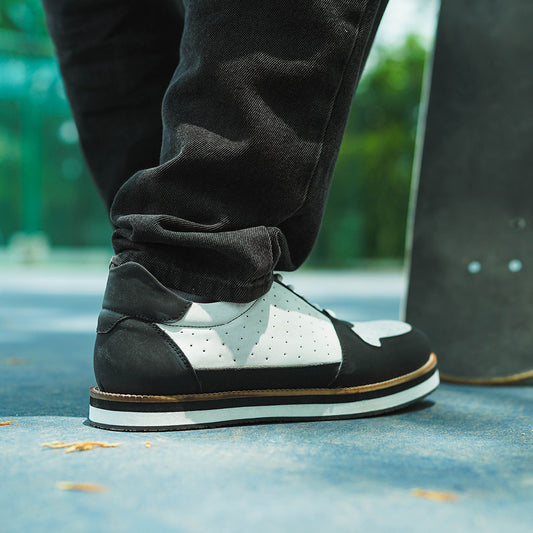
[(372, 332), (278, 330), (212, 314)]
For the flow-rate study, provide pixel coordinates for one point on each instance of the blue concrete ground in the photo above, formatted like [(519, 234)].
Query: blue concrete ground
[(474, 444)]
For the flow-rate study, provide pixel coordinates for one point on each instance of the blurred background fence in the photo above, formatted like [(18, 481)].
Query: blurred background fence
[(45, 184)]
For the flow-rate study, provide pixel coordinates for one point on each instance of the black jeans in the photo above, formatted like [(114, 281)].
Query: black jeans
[(212, 128)]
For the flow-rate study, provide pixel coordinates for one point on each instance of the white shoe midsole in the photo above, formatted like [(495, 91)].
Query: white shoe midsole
[(130, 419)]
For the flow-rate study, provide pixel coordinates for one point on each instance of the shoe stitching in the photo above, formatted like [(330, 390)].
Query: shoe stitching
[(110, 328)]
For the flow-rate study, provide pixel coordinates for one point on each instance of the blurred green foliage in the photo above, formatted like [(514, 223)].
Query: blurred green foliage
[(45, 185), (367, 209)]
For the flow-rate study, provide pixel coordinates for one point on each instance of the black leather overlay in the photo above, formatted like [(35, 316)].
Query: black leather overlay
[(107, 320), (293, 377), (138, 358), (133, 291), (365, 364)]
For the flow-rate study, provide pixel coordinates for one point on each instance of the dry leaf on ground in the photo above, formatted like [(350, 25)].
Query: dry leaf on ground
[(84, 487), (435, 495), (15, 361), (80, 446)]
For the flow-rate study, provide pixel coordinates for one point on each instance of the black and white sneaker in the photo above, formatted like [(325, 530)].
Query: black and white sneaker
[(165, 363)]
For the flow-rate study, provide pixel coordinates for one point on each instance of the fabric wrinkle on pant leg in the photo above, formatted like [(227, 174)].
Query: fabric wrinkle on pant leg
[(252, 124)]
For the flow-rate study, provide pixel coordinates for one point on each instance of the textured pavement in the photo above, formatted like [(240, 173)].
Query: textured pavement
[(471, 446)]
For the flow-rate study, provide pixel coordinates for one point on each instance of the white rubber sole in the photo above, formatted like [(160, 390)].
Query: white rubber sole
[(113, 412)]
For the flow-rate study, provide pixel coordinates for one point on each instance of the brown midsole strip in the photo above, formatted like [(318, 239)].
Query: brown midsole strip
[(428, 367)]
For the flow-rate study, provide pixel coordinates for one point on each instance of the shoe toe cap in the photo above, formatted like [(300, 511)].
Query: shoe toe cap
[(379, 351)]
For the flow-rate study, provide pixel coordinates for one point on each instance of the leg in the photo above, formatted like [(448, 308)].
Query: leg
[(253, 120), (116, 59)]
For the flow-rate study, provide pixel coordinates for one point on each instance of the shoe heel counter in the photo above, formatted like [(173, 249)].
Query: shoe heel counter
[(136, 357)]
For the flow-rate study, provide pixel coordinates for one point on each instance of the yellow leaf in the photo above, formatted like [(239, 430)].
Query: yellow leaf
[(435, 495)]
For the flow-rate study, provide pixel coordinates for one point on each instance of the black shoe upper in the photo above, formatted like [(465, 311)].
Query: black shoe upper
[(134, 356)]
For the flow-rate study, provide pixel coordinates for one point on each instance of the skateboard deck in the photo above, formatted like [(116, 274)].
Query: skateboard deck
[(471, 244)]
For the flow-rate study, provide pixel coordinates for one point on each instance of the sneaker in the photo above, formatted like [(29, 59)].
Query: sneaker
[(165, 363)]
